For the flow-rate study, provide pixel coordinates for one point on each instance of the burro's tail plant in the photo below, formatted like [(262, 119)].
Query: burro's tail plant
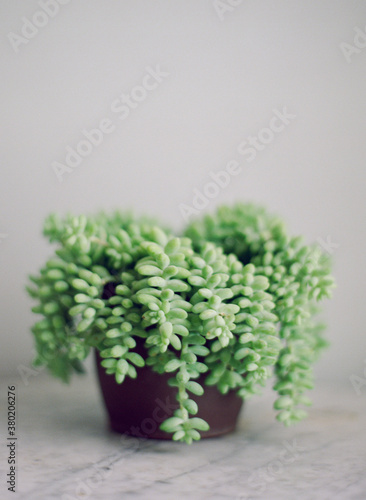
[(298, 276), (228, 301)]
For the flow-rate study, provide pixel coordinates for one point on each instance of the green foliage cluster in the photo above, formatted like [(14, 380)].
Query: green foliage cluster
[(229, 300), (299, 277)]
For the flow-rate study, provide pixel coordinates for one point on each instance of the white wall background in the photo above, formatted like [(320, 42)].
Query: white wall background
[(225, 78)]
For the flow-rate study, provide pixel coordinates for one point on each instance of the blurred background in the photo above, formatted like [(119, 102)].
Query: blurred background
[(178, 90)]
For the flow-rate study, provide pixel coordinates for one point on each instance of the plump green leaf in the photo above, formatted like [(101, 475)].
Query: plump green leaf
[(195, 388), (136, 359), (149, 270), (191, 406), (172, 424), (199, 423), (172, 365)]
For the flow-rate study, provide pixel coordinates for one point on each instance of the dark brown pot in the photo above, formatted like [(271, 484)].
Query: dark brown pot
[(138, 406)]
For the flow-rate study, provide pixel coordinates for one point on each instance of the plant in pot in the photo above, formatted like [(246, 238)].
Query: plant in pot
[(183, 328)]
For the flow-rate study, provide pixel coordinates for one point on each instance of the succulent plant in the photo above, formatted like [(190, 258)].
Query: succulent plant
[(299, 277), (230, 299)]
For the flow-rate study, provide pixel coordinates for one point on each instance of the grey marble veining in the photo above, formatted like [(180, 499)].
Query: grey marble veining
[(65, 451)]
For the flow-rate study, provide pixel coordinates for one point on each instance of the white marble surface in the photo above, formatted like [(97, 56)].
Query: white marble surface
[(65, 452)]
